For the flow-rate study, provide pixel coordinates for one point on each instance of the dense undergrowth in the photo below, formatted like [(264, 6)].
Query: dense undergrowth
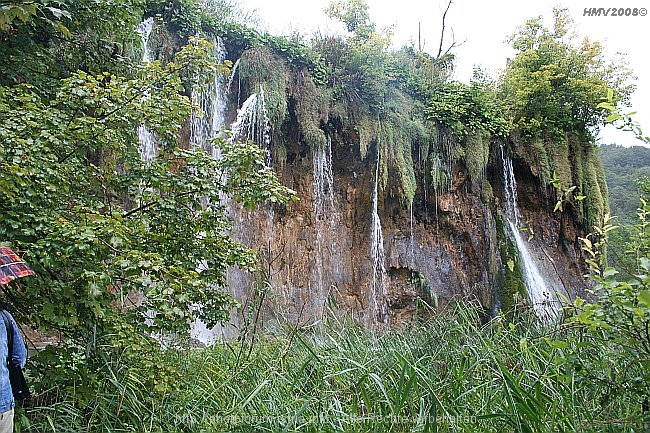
[(451, 374)]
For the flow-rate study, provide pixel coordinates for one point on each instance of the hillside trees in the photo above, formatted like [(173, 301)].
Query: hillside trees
[(556, 82), (625, 168)]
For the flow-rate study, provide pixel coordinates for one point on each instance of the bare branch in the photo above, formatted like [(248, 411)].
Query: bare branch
[(442, 31), (453, 44)]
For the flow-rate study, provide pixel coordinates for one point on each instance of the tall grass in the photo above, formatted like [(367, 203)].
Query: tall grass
[(451, 374)]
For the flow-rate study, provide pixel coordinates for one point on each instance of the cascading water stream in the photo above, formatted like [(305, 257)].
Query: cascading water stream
[(379, 287), (542, 296), (324, 212), (411, 238), (323, 181), (233, 72), (253, 123), (146, 138), (212, 101)]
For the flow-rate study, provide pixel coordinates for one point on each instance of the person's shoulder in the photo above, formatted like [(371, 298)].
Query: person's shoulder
[(6, 314)]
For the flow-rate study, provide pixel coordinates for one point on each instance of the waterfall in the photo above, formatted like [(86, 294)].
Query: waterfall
[(411, 239), (146, 138), (541, 295), (379, 288), (325, 217), (253, 123), (323, 181), (144, 30), (211, 99), (233, 71), (510, 190)]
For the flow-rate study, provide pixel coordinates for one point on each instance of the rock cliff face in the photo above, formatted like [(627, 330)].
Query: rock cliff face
[(317, 253), (394, 220)]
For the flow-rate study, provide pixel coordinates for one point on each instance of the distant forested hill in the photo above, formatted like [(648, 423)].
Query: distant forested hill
[(624, 166)]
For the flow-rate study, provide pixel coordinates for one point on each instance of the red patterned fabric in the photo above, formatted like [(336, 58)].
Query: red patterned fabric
[(12, 266)]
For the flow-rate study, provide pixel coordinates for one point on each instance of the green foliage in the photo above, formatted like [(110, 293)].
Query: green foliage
[(182, 17), (396, 150), (311, 106), (566, 195), (370, 79), (554, 83), (24, 12), (570, 163), (623, 121), (627, 170), (362, 64), (11, 12), (353, 13), (225, 18), (621, 314), (534, 151), (591, 180), (98, 223), (88, 35), (190, 17), (446, 150), (460, 106), (115, 240), (511, 281), (226, 11), (239, 38), (477, 153), (625, 167), (366, 72), (618, 314), (418, 72), (487, 193), (439, 176)]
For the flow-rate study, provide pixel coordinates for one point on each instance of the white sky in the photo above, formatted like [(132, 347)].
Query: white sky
[(484, 26)]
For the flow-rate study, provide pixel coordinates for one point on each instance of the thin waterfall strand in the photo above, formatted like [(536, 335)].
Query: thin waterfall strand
[(324, 212), (379, 288), (252, 121), (146, 139), (323, 181)]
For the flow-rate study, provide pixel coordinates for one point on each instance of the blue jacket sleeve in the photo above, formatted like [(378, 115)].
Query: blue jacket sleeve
[(19, 354)]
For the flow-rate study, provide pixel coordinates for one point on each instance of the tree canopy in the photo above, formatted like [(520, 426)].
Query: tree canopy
[(123, 248), (555, 81)]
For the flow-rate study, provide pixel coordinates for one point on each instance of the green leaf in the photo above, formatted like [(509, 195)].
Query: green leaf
[(644, 297), (613, 117), (557, 344), (63, 29), (59, 13), (645, 263)]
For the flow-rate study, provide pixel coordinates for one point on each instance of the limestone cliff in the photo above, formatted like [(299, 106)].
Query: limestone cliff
[(448, 246), (399, 215)]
